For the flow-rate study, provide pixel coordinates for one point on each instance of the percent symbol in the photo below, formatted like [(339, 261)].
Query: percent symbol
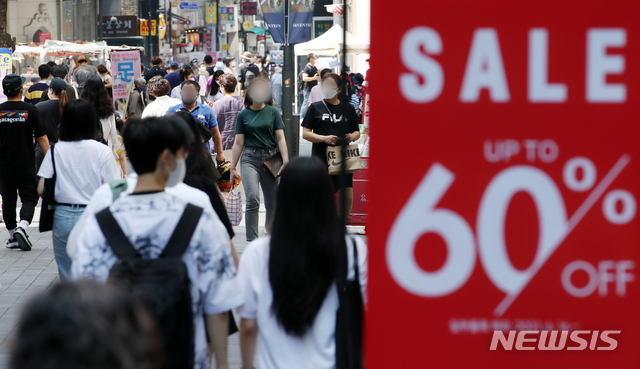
[(609, 209)]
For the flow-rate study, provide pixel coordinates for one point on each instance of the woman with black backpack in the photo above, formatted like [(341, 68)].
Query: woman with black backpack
[(289, 279)]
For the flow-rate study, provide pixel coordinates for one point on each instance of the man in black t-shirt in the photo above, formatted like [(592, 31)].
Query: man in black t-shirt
[(155, 70), (310, 78), (19, 123), (208, 62)]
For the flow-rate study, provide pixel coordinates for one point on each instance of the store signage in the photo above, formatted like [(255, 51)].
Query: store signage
[(210, 13), (227, 15), (517, 206), (44, 36), (154, 27), (249, 8), (189, 5), (144, 27), (120, 26), (247, 25)]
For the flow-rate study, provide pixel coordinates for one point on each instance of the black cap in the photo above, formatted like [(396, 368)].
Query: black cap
[(11, 83), (57, 84)]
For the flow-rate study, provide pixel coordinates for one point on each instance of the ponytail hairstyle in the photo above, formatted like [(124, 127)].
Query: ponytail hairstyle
[(62, 100), (306, 237), (59, 89)]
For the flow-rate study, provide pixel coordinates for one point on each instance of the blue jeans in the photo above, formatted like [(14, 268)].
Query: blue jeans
[(64, 218), (305, 105), (253, 176)]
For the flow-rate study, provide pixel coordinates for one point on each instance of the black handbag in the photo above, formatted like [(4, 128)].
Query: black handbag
[(48, 199), (349, 316)]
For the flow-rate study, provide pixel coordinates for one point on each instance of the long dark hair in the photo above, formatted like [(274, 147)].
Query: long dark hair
[(78, 121), (197, 150), (214, 88), (305, 238), (95, 93)]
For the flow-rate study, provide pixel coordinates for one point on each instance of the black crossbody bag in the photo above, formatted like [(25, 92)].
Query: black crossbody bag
[(48, 199), (349, 316)]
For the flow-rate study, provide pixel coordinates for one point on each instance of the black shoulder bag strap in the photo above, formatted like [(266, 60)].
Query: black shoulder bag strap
[(181, 237), (53, 161), (118, 241), (329, 110)]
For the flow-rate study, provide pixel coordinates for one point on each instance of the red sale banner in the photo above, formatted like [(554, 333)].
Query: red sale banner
[(504, 229)]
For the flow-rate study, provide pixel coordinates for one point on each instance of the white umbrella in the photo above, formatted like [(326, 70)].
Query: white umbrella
[(326, 63)]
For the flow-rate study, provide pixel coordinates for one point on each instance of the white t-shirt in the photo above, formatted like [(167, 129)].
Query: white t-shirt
[(215, 97), (148, 221), (159, 107), (202, 80), (276, 348), (103, 197), (81, 168), (175, 93)]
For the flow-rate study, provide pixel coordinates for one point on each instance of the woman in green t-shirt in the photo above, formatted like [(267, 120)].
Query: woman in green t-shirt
[(259, 137)]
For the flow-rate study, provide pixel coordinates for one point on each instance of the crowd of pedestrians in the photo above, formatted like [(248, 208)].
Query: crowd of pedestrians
[(161, 228)]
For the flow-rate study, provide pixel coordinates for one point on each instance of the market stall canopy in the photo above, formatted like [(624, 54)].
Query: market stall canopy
[(23, 49), (258, 30), (69, 48), (330, 43)]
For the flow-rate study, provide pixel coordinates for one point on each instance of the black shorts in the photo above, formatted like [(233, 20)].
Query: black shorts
[(336, 181)]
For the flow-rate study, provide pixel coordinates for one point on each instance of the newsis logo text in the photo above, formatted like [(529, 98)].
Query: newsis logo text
[(554, 340)]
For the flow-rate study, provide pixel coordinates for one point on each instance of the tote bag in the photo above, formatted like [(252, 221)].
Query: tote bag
[(334, 159)]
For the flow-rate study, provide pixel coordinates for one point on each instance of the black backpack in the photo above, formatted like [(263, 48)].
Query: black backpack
[(162, 284), (250, 74)]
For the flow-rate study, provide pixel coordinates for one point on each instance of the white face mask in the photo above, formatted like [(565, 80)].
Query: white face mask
[(176, 176), (329, 92), (260, 95)]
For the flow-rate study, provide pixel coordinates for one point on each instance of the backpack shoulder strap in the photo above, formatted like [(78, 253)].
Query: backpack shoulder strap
[(118, 241), (181, 237), (118, 186)]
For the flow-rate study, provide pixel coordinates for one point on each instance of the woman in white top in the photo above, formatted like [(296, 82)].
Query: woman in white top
[(214, 93), (82, 164), (96, 94), (288, 280), (229, 65), (159, 88)]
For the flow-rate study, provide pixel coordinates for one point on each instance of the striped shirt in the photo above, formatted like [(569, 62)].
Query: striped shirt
[(34, 94)]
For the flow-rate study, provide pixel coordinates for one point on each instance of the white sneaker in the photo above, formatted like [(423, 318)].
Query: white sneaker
[(12, 244), (23, 239)]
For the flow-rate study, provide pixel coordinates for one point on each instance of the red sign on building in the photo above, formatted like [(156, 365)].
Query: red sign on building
[(249, 8), (44, 36), (508, 202)]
